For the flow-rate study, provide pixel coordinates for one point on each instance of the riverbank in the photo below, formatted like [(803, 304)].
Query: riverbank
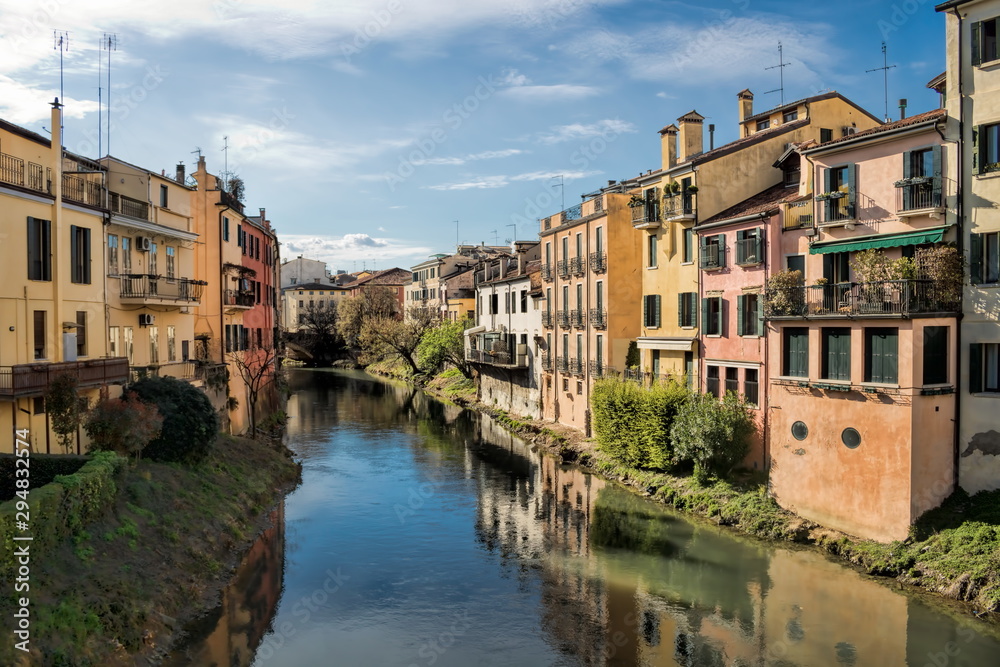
[(121, 590), (953, 551)]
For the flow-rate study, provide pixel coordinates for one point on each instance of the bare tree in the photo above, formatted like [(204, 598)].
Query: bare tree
[(319, 333), (381, 337), (372, 304), (257, 367)]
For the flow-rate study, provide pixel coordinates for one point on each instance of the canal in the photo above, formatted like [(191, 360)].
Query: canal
[(423, 534)]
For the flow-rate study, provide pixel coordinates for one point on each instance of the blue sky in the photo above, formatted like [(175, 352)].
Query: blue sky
[(366, 128)]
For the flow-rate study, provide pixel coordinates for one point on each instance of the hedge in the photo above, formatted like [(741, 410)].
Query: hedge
[(60, 509), (632, 423), (43, 469)]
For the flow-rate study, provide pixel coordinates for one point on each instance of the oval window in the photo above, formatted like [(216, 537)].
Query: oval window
[(851, 438), (800, 430)]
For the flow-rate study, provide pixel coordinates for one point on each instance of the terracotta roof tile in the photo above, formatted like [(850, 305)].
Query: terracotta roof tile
[(761, 202), (935, 114)]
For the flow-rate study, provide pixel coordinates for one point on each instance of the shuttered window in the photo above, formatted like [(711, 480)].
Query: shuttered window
[(711, 315), (749, 315), (39, 249), (651, 311), (984, 258), (687, 309), (836, 353), (882, 355), (79, 250), (795, 353)]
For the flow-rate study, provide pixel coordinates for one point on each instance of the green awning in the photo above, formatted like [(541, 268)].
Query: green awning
[(932, 235)]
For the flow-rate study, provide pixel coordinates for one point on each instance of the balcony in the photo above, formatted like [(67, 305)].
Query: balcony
[(576, 366), (578, 266), (132, 208), (918, 196), (889, 298), (547, 272), (599, 318), (562, 317), (499, 357), (15, 171), (33, 379), (599, 262), (798, 214), (836, 211), (77, 188), (562, 364), (682, 206), (599, 369), (547, 319), (546, 362), (562, 268), (646, 215), (712, 256), (578, 318), (749, 251), (150, 289), (237, 299)]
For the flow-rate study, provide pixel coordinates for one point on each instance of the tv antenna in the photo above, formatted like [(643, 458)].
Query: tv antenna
[(781, 76), (885, 77), (496, 239), (225, 172), (110, 42), (197, 151), (457, 244), (562, 191), (514, 235), (60, 40)]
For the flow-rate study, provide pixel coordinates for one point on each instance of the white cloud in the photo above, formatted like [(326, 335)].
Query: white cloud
[(23, 104), (485, 155), (577, 131), (493, 182), (552, 93), (339, 251)]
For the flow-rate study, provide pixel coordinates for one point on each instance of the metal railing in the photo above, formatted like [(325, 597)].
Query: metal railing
[(497, 357), (578, 318), (834, 211), (599, 262), (546, 362), (680, 205), (916, 196), (572, 213), (900, 298), (562, 268), (599, 318), (81, 190), (562, 364), (28, 379), (712, 256), (646, 213), (547, 272), (576, 366), (749, 251), (238, 298), (547, 319), (123, 205), (798, 214), (578, 266), (562, 317), (147, 287)]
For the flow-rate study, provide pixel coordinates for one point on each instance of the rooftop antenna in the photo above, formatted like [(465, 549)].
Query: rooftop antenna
[(514, 235), (885, 77), (781, 75), (496, 239), (562, 191), (109, 42), (457, 244), (197, 150), (225, 172), (61, 42)]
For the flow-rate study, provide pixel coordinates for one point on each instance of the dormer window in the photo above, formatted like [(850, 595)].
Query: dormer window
[(789, 116), (763, 124), (792, 175)]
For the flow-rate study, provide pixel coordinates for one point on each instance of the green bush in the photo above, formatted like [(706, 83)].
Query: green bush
[(124, 425), (190, 424), (632, 423), (712, 434)]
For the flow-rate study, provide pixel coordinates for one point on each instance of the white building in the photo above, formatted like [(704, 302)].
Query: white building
[(300, 270)]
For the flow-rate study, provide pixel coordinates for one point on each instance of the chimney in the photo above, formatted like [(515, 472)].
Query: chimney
[(690, 135), (745, 99), (668, 147), (711, 136), (902, 108), (180, 173)]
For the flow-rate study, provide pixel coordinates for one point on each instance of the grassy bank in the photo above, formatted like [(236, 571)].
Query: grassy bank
[(123, 585)]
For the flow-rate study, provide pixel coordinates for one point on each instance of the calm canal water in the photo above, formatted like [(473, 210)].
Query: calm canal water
[(425, 535)]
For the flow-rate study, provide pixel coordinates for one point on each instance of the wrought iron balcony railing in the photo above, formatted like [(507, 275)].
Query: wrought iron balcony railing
[(713, 256), (646, 215), (798, 214), (123, 205), (562, 268), (546, 361), (835, 212), (681, 206), (145, 287), (562, 364), (918, 196), (546, 272), (576, 366), (15, 171), (578, 318), (578, 266), (599, 318), (238, 298), (497, 357), (749, 251), (898, 298), (563, 319), (547, 319), (599, 262)]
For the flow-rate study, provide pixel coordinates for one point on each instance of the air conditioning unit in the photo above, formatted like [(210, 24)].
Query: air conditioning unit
[(849, 130), (146, 319), (143, 243)]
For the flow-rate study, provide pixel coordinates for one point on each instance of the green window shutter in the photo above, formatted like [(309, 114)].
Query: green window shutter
[(852, 189), (704, 315), (907, 173), (759, 321), (740, 328), (975, 259), (937, 185), (74, 250), (759, 244), (718, 315), (645, 311), (681, 308), (842, 356), (656, 309), (975, 368), (874, 358), (977, 161), (693, 308), (977, 54), (890, 357), (722, 249)]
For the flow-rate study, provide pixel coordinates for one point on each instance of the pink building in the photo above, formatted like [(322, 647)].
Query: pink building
[(862, 366)]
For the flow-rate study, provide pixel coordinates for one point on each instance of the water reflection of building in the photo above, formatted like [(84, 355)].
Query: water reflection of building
[(247, 607)]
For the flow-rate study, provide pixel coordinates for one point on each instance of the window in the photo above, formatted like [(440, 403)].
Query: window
[(839, 179), (127, 343), (494, 304), (548, 299), (750, 386), (579, 350), (654, 361), (733, 380), (651, 311), (837, 267), (565, 248), (506, 302), (240, 238), (984, 41), (687, 309), (579, 245), (924, 164), (791, 175), (79, 252), (152, 258), (81, 333), (114, 342), (711, 315), (565, 299), (112, 255), (688, 244), (984, 367), (39, 333), (154, 345), (225, 228), (825, 135), (163, 196), (565, 351), (579, 296), (713, 251), (984, 258), (548, 254), (126, 254), (651, 251), (301, 304), (171, 343), (524, 301), (986, 148), (795, 359), (836, 363), (712, 380), (763, 124), (689, 368), (881, 355), (749, 317), (599, 239), (789, 116), (39, 249), (935, 355), (750, 246), (599, 295), (171, 265), (796, 263)]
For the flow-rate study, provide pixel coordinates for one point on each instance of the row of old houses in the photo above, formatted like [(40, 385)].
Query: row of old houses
[(814, 266), (112, 272)]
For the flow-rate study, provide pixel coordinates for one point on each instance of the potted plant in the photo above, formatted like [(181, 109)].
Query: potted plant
[(692, 189), (672, 189), (785, 294), (636, 201)]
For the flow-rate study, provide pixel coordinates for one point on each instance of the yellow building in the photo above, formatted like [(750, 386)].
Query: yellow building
[(297, 300), (693, 184), (149, 251), (54, 287)]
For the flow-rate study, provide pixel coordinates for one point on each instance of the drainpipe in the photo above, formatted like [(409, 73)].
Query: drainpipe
[(960, 214), (222, 290), (765, 405)]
